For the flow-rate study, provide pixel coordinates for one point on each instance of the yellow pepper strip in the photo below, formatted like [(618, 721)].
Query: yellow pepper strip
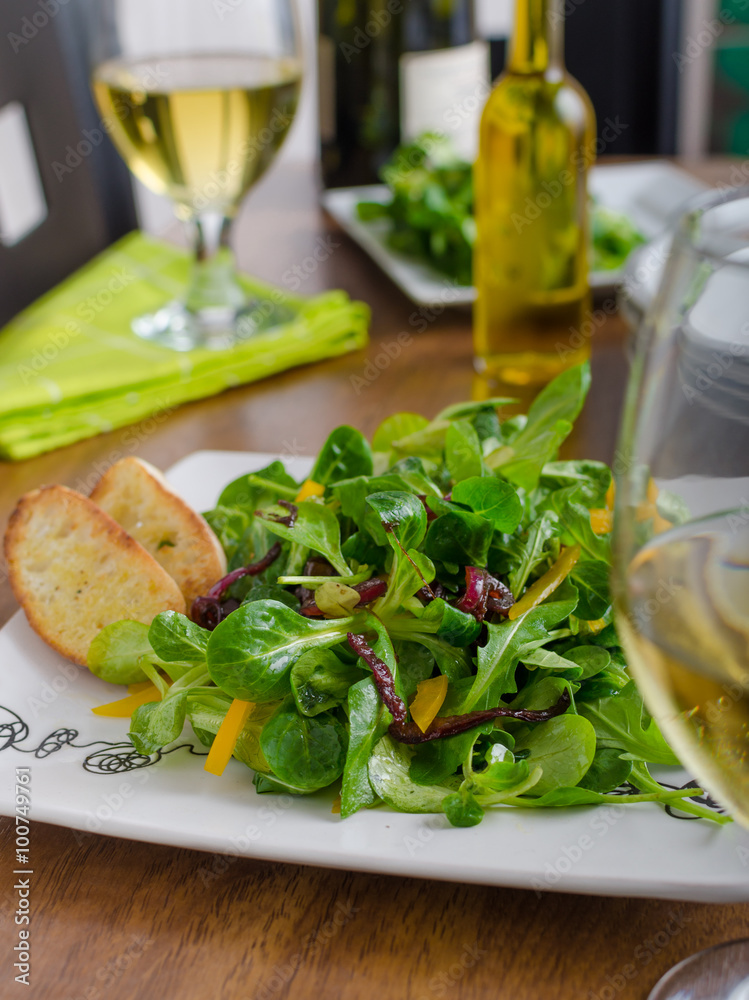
[(309, 489), (648, 509), (125, 707), (226, 738), (611, 495), (660, 524), (140, 686), (601, 521), (336, 810), (430, 695), (546, 584), (597, 626)]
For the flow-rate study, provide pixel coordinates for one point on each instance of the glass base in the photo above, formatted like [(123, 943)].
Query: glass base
[(216, 329), (720, 973)]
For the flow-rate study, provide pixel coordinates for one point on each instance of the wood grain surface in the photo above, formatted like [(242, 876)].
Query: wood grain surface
[(118, 920)]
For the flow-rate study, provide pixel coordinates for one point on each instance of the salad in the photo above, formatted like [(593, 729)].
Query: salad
[(431, 212), (424, 622)]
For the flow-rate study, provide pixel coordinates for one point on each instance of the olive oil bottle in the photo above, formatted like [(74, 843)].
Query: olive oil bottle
[(531, 261)]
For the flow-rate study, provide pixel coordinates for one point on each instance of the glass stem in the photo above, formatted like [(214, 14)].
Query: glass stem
[(214, 284)]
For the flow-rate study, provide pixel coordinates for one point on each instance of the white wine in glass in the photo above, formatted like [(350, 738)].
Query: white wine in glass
[(682, 528), (198, 100)]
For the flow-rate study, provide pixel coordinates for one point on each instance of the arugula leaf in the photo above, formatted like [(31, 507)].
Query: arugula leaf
[(449, 623), (415, 664), (453, 663), (463, 451), (535, 550), (115, 654), (398, 425), (158, 723), (576, 526), (592, 581), (412, 472), (474, 408), (492, 499), (389, 774), (462, 809), (344, 455), (403, 514), (607, 772), (563, 747), (320, 681), (522, 461), (256, 489), (316, 527), (250, 654), (550, 420), (590, 479), (175, 638), (499, 657), (428, 442), (231, 525), (592, 660), (459, 538), (409, 573), (620, 721), (308, 753), (368, 721)]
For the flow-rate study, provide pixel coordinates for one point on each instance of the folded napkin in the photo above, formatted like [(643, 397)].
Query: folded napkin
[(70, 366)]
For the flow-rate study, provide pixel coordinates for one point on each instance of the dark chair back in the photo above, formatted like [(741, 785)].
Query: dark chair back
[(87, 189)]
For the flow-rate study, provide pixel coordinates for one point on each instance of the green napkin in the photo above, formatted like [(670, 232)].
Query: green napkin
[(70, 366)]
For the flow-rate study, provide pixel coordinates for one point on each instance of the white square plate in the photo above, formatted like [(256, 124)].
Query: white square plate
[(649, 193), (85, 775)]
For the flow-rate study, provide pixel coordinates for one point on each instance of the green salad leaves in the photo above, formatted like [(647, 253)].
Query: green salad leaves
[(426, 622), (430, 212)]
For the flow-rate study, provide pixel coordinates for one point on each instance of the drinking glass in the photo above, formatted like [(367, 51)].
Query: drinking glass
[(682, 518), (198, 96)]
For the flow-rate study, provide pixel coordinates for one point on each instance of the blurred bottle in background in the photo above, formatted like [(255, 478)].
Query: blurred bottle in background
[(531, 261), (390, 70)]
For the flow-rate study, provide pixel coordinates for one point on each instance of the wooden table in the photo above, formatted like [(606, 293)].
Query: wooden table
[(128, 921)]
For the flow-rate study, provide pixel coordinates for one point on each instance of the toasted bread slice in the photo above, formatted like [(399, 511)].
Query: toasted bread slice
[(138, 497), (74, 570)]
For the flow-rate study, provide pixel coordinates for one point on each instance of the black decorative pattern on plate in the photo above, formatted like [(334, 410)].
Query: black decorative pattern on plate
[(114, 758)]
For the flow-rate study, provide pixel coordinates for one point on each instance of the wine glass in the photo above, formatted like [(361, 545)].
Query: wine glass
[(682, 524), (198, 97)]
